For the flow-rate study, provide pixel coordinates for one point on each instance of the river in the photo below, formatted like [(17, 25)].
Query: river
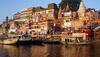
[(50, 50)]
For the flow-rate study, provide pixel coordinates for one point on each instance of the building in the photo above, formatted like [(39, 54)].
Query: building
[(97, 14), (71, 19), (12, 27), (81, 11), (21, 20), (69, 16), (23, 15), (65, 17), (26, 13), (52, 11), (17, 16)]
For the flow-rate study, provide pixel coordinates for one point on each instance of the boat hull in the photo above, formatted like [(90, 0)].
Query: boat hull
[(81, 43), (25, 41), (8, 41)]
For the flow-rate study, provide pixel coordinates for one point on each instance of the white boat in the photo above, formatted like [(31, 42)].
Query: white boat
[(76, 40), (24, 40), (8, 41)]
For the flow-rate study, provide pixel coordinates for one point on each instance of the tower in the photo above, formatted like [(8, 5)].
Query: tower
[(53, 10), (66, 11), (81, 10), (60, 13)]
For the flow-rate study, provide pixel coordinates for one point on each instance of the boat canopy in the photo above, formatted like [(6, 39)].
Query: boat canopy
[(97, 28)]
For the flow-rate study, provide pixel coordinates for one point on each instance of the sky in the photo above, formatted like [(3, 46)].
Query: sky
[(10, 7)]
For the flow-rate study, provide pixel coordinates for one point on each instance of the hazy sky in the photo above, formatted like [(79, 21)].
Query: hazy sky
[(9, 7)]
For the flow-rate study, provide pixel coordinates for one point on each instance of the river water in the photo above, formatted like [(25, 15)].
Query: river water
[(50, 50)]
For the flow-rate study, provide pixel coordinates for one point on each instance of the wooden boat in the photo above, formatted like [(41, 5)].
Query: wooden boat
[(24, 39), (77, 40), (8, 41), (51, 40)]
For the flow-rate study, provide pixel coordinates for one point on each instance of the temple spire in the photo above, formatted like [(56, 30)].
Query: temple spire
[(82, 7), (60, 13), (81, 10), (66, 9)]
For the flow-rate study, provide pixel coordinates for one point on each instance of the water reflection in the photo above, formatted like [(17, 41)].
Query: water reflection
[(38, 51), (78, 51), (50, 50), (55, 50)]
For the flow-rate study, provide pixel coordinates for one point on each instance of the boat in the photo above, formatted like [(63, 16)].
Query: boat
[(51, 40), (78, 38), (8, 40), (24, 39)]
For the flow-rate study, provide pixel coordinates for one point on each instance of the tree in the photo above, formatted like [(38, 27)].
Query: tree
[(7, 25), (73, 4)]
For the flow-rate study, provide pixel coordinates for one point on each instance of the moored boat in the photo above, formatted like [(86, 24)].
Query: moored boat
[(78, 38), (25, 39), (8, 41)]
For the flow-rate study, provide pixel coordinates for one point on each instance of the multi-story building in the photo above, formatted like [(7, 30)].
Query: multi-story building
[(71, 18), (79, 16), (65, 17), (23, 15), (17, 16), (52, 11), (39, 14), (26, 13), (12, 27), (21, 19), (69, 15), (43, 19), (97, 14)]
